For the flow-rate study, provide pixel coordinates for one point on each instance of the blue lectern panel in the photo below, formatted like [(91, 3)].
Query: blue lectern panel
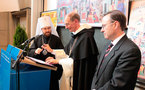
[(5, 70), (9, 48), (0, 59), (29, 80), (32, 80), (14, 51)]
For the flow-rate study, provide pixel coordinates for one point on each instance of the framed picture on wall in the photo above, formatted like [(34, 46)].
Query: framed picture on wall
[(52, 14), (121, 5), (90, 11), (63, 8), (136, 32)]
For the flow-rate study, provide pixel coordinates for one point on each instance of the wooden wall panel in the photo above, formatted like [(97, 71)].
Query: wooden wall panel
[(4, 30), (3, 21)]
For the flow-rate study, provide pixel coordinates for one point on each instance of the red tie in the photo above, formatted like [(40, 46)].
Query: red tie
[(108, 49), (106, 54)]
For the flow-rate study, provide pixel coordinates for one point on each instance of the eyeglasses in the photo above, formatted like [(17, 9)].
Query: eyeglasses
[(103, 26)]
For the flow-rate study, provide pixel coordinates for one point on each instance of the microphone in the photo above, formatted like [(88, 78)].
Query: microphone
[(19, 56), (29, 40)]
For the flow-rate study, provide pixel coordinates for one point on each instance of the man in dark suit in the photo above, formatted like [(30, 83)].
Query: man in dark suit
[(117, 69)]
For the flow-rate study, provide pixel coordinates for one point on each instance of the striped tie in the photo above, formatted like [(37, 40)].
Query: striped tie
[(108, 49), (106, 53)]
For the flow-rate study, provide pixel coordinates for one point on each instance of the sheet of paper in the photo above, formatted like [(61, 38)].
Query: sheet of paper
[(39, 61), (60, 54)]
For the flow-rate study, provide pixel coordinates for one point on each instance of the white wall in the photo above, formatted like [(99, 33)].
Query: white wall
[(36, 8), (50, 5)]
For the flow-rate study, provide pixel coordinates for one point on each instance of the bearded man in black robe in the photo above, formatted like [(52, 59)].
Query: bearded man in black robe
[(79, 66), (39, 48)]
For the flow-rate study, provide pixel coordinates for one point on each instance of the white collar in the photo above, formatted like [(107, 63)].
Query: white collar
[(81, 28), (117, 40)]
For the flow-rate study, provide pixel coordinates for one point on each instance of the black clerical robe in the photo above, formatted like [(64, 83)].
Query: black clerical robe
[(55, 43), (84, 54)]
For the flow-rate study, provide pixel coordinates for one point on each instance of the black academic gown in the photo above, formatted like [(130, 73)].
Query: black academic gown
[(55, 43), (84, 54)]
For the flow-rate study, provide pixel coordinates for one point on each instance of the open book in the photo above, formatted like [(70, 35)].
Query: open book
[(40, 61)]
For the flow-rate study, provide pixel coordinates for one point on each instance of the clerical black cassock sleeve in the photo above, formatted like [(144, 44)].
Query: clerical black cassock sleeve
[(53, 41), (84, 54)]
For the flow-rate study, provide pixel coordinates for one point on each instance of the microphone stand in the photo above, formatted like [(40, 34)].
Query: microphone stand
[(17, 65)]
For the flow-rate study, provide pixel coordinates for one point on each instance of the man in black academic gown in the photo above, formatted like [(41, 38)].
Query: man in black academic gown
[(39, 49), (82, 54)]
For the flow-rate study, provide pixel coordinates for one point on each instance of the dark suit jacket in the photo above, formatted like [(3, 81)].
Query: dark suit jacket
[(119, 68)]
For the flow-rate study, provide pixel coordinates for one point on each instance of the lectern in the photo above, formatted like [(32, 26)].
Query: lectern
[(29, 80)]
